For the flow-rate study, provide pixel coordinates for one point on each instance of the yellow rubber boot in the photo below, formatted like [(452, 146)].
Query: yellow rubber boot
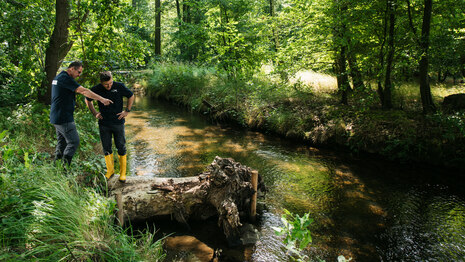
[(122, 168), (110, 166)]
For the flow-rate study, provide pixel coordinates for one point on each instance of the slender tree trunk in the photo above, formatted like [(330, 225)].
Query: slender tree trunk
[(390, 56), (273, 26), (178, 12), (462, 63), (188, 14), (425, 90), (342, 76), (158, 27), (381, 57), (58, 47), (224, 21), (180, 30), (355, 74), (185, 12), (462, 56), (341, 53)]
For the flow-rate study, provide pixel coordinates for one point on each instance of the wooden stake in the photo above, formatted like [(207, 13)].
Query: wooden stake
[(253, 201), (119, 203)]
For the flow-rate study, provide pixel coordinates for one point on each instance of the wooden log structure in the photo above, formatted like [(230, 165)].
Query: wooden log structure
[(224, 190)]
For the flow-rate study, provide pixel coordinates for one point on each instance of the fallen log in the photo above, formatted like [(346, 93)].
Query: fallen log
[(224, 190)]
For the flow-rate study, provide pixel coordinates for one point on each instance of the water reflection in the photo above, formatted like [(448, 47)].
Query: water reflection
[(363, 208), (429, 225)]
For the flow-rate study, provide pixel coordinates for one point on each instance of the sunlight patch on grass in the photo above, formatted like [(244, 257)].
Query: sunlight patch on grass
[(443, 90), (408, 94), (318, 81)]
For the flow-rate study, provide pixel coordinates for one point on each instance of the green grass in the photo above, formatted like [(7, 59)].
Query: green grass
[(307, 108), (48, 213)]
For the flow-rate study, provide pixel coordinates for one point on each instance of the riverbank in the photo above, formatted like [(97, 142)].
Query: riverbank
[(49, 212), (311, 113)]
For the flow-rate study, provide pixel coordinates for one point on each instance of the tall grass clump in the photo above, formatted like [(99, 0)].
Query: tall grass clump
[(181, 83), (46, 215)]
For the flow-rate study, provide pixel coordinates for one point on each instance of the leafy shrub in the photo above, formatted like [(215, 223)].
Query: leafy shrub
[(296, 232)]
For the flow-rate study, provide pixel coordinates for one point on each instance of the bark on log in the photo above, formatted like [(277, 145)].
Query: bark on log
[(225, 190)]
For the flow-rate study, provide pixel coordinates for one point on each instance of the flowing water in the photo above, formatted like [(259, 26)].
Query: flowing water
[(364, 209)]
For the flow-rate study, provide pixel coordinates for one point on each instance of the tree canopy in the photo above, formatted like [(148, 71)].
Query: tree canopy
[(360, 42)]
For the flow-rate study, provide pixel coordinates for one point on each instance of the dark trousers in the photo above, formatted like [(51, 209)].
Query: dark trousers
[(68, 141), (106, 134)]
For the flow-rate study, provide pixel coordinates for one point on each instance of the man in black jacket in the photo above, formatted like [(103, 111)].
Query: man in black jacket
[(111, 120)]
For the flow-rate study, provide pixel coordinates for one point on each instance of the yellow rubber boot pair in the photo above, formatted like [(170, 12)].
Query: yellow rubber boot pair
[(122, 168), (110, 166)]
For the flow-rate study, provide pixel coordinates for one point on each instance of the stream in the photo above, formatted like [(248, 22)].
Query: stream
[(363, 208)]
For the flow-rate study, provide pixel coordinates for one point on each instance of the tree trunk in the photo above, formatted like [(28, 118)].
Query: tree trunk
[(158, 27), (340, 41), (425, 90), (462, 57), (342, 76), (180, 22), (57, 49), (224, 190), (273, 26), (185, 12), (178, 12), (380, 75), (357, 80), (387, 95)]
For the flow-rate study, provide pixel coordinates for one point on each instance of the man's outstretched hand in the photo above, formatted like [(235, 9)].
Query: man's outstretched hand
[(106, 102)]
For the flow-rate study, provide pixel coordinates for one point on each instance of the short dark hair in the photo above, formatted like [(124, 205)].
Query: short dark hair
[(75, 64), (105, 76)]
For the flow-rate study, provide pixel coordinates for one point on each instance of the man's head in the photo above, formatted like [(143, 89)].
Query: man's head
[(106, 79), (75, 69)]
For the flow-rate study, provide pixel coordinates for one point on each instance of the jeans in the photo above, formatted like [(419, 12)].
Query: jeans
[(68, 141), (117, 131)]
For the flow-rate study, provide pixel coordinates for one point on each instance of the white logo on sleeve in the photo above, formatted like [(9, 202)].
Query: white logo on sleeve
[(54, 82)]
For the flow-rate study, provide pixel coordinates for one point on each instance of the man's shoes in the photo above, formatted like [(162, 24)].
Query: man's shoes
[(110, 166), (122, 168)]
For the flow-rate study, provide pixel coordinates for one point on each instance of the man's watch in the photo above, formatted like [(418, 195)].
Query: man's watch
[(128, 110)]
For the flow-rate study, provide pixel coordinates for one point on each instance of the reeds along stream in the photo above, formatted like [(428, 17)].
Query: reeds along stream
[(363, 208)]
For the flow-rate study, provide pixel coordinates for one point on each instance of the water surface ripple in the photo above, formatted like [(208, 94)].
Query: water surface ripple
[(364, 209)]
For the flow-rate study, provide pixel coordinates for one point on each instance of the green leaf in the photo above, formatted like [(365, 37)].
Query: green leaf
[(3, 135)]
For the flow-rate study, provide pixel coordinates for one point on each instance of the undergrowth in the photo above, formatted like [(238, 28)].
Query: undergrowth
[(52, 213), (314, 115)]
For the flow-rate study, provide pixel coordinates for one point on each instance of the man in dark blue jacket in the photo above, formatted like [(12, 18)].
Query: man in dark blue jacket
[(111, 120), (64, 89)]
